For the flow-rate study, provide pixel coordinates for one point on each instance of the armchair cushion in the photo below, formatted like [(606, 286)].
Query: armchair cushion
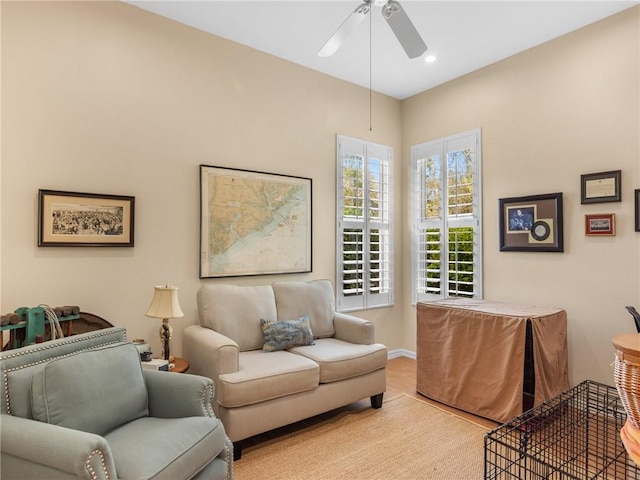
[(155, 448), (283, 334), (94, 391), (19, 390)]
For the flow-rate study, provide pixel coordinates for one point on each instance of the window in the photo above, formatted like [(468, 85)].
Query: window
[(447, 250), (364, 268)]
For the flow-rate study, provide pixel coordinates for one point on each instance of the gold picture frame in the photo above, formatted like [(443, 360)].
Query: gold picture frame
[(600, 224)]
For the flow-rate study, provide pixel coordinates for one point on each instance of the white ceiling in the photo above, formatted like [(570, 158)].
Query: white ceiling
[(464, 35)]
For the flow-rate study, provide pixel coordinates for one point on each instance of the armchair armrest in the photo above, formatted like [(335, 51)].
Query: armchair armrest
[(178, 395), (83, 454), (353, 329), (210, 353)]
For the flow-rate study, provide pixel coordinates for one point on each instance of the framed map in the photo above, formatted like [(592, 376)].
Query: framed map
[(253, 223)]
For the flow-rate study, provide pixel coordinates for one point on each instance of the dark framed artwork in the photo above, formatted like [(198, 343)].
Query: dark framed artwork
[(600, 224), (74, 219), (600, 187), (253, 223), (531, 224), (636, 196)]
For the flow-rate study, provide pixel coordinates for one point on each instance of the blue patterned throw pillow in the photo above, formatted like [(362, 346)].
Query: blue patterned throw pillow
[(283, 334)]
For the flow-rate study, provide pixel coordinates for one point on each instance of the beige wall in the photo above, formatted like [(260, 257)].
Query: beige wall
[(548, 115), (104, 97)]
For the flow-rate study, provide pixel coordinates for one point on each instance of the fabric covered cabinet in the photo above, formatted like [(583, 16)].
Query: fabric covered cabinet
[(83, 407)]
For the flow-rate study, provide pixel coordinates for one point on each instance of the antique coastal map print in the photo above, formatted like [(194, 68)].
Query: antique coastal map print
[(253, 223)]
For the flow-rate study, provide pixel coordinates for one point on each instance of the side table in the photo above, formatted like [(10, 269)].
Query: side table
[(180, 365)]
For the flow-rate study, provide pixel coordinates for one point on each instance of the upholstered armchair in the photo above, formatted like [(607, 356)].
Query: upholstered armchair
[(83, 407)]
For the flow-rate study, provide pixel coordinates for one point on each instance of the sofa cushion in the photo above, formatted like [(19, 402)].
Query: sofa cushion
[(339, 360), (315, 299), (266, 375), (235, 311), (94, 391), (283, 334), (165, 448)]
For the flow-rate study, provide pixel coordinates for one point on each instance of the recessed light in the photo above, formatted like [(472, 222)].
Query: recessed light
[(430, 58)]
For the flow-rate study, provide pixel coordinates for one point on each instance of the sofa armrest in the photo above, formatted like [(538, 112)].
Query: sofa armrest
[(85, 455), (178, 395), (210, 353), (353, 329)]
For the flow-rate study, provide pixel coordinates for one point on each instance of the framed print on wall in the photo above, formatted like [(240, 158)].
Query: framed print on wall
[(600, 187), (73, 219), (636, 196), (253, 223), (600, 224), (531, 224)]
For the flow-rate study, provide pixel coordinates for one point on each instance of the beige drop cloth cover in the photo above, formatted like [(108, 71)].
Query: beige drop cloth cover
[(470, 355)]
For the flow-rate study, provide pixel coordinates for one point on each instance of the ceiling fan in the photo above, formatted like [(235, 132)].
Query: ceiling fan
[(395, 16)]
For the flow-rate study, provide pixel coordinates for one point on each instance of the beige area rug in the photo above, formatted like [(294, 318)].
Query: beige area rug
[(405, 439)]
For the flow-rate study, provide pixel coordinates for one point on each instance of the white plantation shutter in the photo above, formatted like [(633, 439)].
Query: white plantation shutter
[(447, 251), (363, 263)]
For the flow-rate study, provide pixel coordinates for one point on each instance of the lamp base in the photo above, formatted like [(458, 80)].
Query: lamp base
[(166, 334)]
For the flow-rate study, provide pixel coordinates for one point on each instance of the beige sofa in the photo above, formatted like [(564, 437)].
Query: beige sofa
[(257, 390)]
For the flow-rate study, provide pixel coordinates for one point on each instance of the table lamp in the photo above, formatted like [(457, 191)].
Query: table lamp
[(165, 305)]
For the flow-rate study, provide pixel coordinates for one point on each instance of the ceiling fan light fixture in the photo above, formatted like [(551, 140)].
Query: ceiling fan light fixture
[(389, 8), (380, 3), (430, 58)]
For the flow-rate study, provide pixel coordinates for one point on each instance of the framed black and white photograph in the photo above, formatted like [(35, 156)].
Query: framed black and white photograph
[(600, 224), (253, 223), (74, 219), (636, 196), (600, 187), (531, 224)]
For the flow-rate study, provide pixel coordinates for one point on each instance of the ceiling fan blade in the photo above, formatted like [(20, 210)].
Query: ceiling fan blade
[(403, 29), (344, 30)]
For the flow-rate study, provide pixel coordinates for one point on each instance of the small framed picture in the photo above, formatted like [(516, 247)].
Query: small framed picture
[(636, 196), (600, 224), (600, 187), (72, 219)]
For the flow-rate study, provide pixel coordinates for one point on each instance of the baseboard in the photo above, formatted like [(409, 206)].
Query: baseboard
[(401, 352)]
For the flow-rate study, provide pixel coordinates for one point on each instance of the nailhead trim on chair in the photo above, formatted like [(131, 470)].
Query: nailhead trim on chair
[(229, 460), (207, 398), (91, 470), (45, 346)]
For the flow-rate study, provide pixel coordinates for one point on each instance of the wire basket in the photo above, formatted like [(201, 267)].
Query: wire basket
[(626, 374), (572, 436)]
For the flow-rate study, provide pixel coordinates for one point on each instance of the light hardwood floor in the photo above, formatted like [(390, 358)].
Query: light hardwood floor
[(401, 378)]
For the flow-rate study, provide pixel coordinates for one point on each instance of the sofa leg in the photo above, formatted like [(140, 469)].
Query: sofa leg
[(237, 452), (376, 400)]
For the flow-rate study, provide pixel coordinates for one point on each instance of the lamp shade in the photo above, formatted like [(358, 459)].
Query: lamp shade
[(165, 303)]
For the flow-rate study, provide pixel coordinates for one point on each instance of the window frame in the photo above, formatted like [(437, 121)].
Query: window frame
[(365, 224), (445, 223)]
